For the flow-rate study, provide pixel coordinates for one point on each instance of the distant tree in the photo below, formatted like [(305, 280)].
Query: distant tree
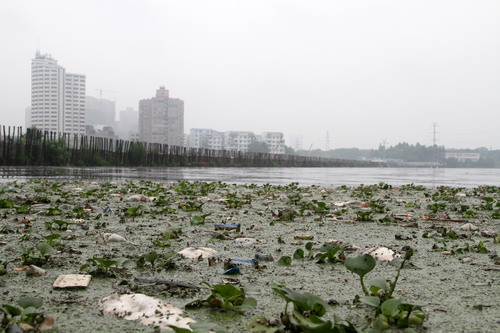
[(258, 147), (289, 150)]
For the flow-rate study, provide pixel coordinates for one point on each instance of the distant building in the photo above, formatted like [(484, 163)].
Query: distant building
[(128, 124), (234, 140), (238, 140), (275, 141), (101, 131), (57, 97), (27, 117), (99, 111), (161, 119), (463, 157), (203, 138)]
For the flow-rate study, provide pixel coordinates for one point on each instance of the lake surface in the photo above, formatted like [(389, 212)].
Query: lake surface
[(304, 176)]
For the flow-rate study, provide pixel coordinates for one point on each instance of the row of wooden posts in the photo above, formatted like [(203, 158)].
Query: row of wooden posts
[(36, 147)]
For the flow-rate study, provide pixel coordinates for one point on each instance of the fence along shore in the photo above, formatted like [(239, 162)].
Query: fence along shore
[(35, 147)]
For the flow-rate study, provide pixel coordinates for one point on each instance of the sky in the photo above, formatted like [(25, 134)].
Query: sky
[(358, 72)]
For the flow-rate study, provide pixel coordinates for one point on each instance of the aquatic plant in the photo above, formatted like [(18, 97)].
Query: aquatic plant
[(199, 219), (379, 294), (228, 297), (105, 267), (307, 313), (60, 225), (364, 216), (25, 313), (38, 255), (191, 206)]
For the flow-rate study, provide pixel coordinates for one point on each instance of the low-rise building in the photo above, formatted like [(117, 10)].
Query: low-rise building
[(234, 140), (463, 157)]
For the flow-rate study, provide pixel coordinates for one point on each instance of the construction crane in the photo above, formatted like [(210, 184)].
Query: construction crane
[(100, 90)]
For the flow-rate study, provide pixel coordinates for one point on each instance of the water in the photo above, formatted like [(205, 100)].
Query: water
[(304, 176)]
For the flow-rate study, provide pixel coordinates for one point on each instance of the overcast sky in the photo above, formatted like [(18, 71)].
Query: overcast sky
[(364, 71)]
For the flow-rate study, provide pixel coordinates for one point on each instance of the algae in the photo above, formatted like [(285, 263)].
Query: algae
[(456, 285)]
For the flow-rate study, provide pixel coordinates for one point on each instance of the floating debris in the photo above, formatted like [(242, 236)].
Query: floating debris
[(304, 237), (139, 197), (264, 257), (232, 226), (245, 242), (381, 253), (72, 281), (33, 270), (147, 310), (468, 227), (197, 252), (114, 238)]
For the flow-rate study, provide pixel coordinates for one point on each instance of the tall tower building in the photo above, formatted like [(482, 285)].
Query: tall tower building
[(57, 97), (161, 119)]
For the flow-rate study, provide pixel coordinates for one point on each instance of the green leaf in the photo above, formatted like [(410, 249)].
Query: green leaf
[(227, 291), (379, 284), (298, 254), (302, 301), (311, 324), (202, 327), (309, 246), (248, 304), (26, 302), (285, 261), (151, 257), (360, 265), (104, 262), (390, 307), (370, 300), (11, 310), (45, 249)]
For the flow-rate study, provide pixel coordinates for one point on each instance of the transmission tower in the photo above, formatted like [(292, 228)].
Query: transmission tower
[(327, 143), (434, 134)]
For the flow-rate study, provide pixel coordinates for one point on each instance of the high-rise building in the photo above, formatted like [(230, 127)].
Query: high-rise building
[(161, 119), (99, 111), (57, 97), (128, 124), (27, 117)]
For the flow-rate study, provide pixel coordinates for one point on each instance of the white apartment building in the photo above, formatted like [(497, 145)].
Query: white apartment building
[(238, 140), (234, 140), (275, 141), (57, 97), (161, 119), (463, 157), (205, 138)]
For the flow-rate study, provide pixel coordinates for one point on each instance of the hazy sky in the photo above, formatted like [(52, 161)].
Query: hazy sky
[(362, 70)]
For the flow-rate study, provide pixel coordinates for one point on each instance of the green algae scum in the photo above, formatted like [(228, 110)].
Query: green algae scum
[(149, 256)]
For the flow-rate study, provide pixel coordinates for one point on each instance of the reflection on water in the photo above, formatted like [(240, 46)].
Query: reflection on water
[(304, 176)]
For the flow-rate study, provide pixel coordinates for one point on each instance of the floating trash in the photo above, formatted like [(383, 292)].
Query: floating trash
[(304, 237), (114, 238), (139, 197), (230, 226), (264, 257), (232, 270), (72, 281), (33, 270), (468, 227), (238, 261), (245, 241), (381, 253), (197, 252), (147, 310)]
